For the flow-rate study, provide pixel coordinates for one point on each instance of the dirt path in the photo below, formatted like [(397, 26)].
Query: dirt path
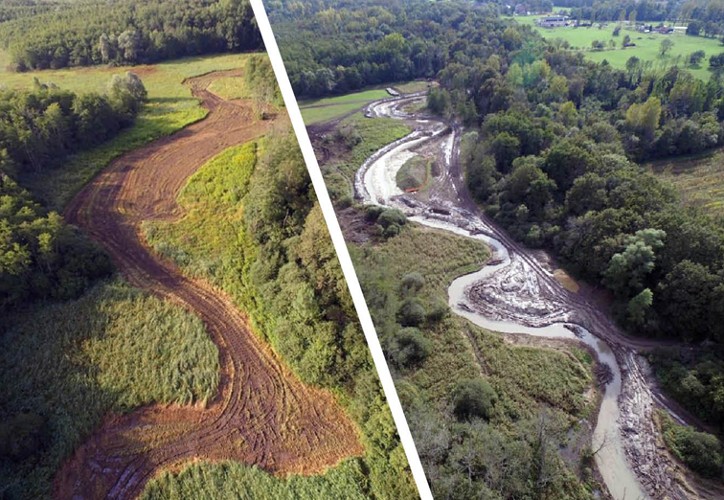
[(262, 414)]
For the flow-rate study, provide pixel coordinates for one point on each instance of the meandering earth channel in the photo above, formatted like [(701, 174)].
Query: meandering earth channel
[(262, 414)]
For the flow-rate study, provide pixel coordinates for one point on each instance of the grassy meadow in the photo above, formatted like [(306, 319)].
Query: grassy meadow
[(236, 480), (170, 107), (646, 49), (329, 108), (70, 364), (699, 179)]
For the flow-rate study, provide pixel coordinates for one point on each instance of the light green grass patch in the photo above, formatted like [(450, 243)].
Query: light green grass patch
[(699, 179), (231, 87), (324, 110), (412, 87), (646, 49), (414, 173), (112, 350), (236, 480), (170, 108), (362, 136)]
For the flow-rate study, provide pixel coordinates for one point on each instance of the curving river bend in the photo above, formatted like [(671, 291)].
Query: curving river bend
[(517, 293)]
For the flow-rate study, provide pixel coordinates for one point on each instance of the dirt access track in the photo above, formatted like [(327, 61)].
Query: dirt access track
[(262, 413)]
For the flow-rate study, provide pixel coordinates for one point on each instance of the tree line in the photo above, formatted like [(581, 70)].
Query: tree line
[(336, 47), (41, 257), (646, 10), (129, 32)]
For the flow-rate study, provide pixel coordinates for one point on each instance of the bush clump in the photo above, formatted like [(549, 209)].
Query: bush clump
[(411, 312), (474, 398), (411, 284), (411, 347), (698, 450)]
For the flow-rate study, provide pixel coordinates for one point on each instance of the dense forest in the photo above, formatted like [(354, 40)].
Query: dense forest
[(131, 32), (40, 256)]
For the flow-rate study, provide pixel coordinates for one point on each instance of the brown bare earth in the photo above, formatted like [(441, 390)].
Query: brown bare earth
[(262, 414)]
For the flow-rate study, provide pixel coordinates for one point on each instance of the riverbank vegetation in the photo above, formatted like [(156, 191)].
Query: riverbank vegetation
[(474, 401), (252, 229), (698, 450), (348, 145)]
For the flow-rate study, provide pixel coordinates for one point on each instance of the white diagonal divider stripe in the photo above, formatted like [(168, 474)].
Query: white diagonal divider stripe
[(340, 247)]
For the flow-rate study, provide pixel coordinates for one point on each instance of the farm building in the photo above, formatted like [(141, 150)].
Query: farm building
[(553, 21)]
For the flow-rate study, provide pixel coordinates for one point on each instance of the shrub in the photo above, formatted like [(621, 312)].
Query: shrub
[(391, 216), (373, 212), (21, 436), (411, 313), (698, 450), (438, 311), (411, 347), (411, 284), (473, 398), (391, 230)]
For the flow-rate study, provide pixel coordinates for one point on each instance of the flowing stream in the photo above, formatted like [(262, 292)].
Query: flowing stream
[(516, 283)]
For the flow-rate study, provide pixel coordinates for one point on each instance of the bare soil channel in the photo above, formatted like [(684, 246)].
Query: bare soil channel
[(517, 292), (262, 414)]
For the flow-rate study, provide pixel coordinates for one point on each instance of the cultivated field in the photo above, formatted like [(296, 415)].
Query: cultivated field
[(646, 49)]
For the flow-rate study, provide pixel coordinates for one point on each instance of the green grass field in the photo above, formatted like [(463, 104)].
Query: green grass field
[(170, 108), (112, 350), (699, 179), (324, 110), (647, 45), (330, 108), (414, 173), (235, 480)]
